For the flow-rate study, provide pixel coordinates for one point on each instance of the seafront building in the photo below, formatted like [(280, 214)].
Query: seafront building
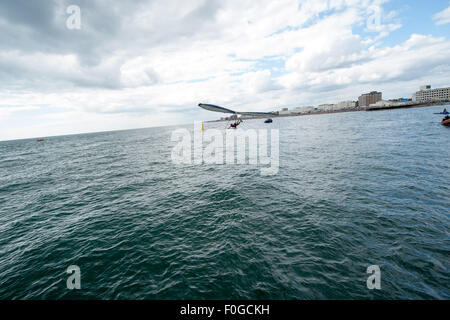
[(297, 110), (383, 104), (327, 107), (374, 101), (302, 110), (284, 111), (367, 99), (426, 94), (346, 105)]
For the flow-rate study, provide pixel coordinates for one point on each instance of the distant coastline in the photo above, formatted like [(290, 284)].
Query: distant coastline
[(357, 109), (407, 106)]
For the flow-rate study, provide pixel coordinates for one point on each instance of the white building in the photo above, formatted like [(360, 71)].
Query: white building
[(327, 107), (389, 104), (426, 94), (382, 104), (309, 109), (302, 110), (284, 111), (346, 105)]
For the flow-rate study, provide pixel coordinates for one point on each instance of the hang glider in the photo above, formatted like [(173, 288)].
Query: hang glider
[(214, 108)]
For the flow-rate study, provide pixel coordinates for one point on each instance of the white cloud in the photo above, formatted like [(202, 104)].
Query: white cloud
[(417, 57), (442, 17), (259, 82)]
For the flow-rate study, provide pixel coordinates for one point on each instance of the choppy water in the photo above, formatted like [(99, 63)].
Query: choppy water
[(353, 190)]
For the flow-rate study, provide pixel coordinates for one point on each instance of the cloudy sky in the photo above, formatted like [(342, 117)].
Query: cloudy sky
[(136, 64)]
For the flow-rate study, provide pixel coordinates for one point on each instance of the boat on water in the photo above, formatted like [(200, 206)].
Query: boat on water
[(444, 112), (40, 140), (268, 121), (446, 122)]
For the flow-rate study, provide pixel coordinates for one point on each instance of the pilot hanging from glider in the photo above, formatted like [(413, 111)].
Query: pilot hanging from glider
[(235, 124)]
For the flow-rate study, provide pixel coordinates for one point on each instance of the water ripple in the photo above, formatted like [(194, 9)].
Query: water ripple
[(353, 190)]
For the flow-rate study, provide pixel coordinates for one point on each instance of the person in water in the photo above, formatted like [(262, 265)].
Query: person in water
[(447, 117), (445, 111)]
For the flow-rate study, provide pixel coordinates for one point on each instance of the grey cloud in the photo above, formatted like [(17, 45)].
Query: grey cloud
[(108, 30)]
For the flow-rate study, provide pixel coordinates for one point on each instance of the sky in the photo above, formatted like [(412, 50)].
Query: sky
[(134, 64)]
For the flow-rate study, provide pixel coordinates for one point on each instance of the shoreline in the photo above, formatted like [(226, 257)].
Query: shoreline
[(420, 105)]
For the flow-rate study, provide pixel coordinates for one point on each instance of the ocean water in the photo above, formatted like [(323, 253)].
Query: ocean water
[(353, 190)]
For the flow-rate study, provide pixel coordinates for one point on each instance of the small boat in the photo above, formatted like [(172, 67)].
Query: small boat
[(268, 121), (446, 123), (443, 113), (40, 140)]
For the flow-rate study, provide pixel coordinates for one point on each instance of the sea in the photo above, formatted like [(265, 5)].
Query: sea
[(353, 192)]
